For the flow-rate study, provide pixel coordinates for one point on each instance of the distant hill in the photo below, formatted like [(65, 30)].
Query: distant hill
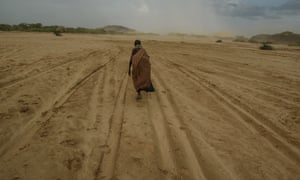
[(117, 28), (281, 38), (38, 27)]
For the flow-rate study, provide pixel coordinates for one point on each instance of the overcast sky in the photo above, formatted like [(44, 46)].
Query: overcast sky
[(239, 17)]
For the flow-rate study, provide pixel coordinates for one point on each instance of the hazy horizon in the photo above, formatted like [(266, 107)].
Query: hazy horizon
[(236, 17)]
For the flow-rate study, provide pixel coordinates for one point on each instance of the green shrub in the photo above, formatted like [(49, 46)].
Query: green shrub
[(266, 46), (57, 33)]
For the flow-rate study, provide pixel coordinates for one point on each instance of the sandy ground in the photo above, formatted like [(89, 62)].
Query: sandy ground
[(220, 111)]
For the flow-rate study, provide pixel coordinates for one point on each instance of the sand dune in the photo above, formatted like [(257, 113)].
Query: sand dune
[(221, 111)]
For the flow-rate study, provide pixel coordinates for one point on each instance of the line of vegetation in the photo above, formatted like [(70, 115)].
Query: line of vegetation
[(38, 27)]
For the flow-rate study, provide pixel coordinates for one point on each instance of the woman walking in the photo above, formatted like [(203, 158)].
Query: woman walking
[(141, 69)]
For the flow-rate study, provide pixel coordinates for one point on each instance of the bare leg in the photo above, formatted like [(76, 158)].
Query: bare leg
[(139, 95)]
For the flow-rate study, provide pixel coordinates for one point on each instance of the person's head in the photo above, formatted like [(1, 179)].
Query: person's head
[(137, 42)]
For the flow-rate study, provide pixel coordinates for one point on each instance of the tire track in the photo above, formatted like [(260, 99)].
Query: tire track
[(45, 113), (79, 83), (108, 160), (171, 113), (222, 65), (202, 163), (281, 91), (103, 130), (275, 136), (90, 163), (163, 138), (266, 121), (100, 112), (225, 63), (26, 78), (253, 79)]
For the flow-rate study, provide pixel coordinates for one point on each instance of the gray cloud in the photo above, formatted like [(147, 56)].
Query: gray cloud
[(239, 9), (192, 16), (246, 10), (291, 7)]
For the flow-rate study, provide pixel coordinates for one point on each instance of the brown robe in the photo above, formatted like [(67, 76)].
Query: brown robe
[(141, 70)]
